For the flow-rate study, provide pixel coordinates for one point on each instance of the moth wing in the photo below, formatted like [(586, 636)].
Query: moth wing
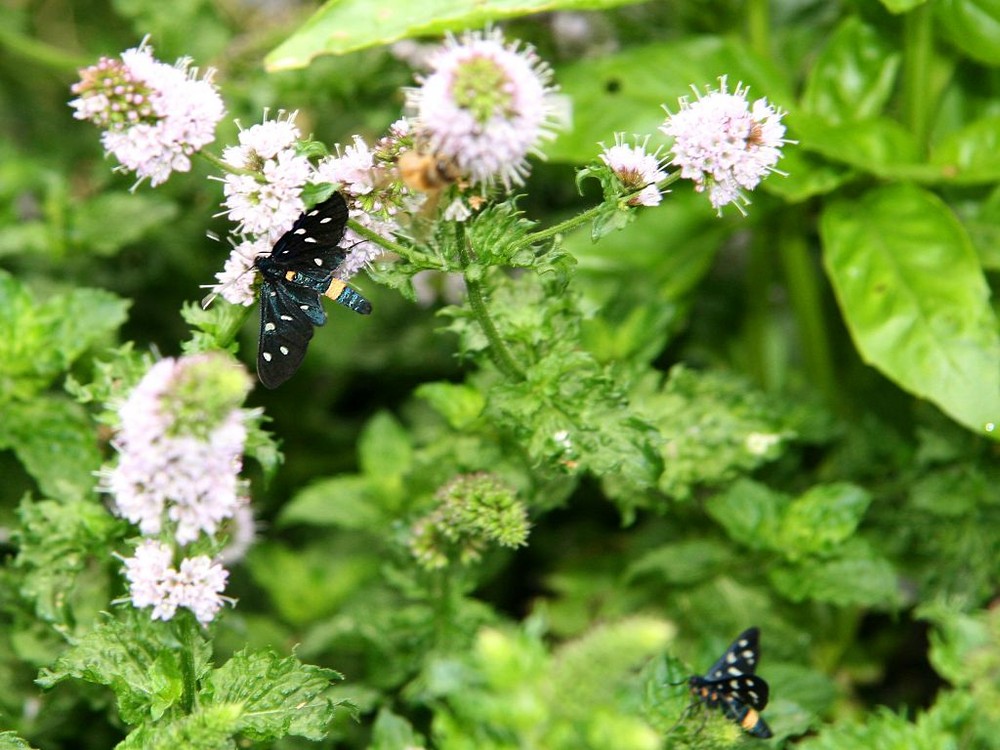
[(750, 690), (740, 658), (287, 317), (314, 238)]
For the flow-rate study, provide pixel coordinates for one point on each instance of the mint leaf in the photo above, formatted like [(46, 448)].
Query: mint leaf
[(134, 656), (276, 695), (55, 442)]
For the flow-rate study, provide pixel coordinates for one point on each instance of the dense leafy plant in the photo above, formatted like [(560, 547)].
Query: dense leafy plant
[(583, 440)]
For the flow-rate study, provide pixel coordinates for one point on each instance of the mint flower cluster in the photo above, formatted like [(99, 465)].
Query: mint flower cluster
[(180, 445), (154, 115)]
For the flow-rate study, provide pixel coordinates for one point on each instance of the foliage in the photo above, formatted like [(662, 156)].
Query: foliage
[(523, 515)]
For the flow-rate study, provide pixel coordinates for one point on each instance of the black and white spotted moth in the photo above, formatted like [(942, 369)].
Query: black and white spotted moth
[(732, 685), (301, 269)]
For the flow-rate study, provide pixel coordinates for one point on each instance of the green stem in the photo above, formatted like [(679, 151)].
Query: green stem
[(232, 325), (384, 243), (918, 52), (802, 281), (40, 53), (758, 17), (188, 632), (498, 350), (591, 213), (758, 315)]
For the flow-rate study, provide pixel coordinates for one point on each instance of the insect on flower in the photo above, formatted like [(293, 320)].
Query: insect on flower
[(426, 172), (732, 685), (301, 269)]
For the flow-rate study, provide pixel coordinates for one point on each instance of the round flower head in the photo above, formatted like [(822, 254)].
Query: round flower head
[(485, 105), (267, 199), (636, 170), (725, 144), (154, 115), (153, 582)]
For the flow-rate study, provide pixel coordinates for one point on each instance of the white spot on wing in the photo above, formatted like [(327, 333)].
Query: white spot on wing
[(266, 356), (283, 350), (269, 326)]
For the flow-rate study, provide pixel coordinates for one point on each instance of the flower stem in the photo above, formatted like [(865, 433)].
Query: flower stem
[(386, 244), (918, 88), (188, 633), (498, 350)]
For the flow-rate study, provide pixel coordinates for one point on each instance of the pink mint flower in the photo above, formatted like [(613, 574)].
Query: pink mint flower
[(725, 144), (154, 115), (196, 585), (486, 105), (636, 170), (178, 459), (265, 196)]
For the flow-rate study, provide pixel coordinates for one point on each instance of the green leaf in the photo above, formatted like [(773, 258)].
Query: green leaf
[(392, 732), (738, 428), (684, 563), (854, 75), (63, 555), (971, 155), (877, 146), (308, 584), (750, 513), (55, 442), (459, 404), (342, 26), (965, 647), (276, 695), (821, 519), (858, 577), (10, 741), (347, 502), (136, 657), (914, 297), (47, 337), (384, 448), (626, 92), (131, 215), (901, 6), (207, 728), (973, 26)]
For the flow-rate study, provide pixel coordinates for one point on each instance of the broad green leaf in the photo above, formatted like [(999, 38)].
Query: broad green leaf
[(965, 648), (857, 578), (626, 92), (973, 26), (342, 26), (822, 518), (46, 337), (136, 657), (901, 6), (384, 448), (913, 295), (684, 563), (806, 176), (207, 728), (10, 741), (392, 732), (347, 502), (276, 695), (877, 146), (62, 559), (460, 404), (750, 513), (853, 76), (131, 214), (972, 155), (713, 427), (55, 442), (308, 584)]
